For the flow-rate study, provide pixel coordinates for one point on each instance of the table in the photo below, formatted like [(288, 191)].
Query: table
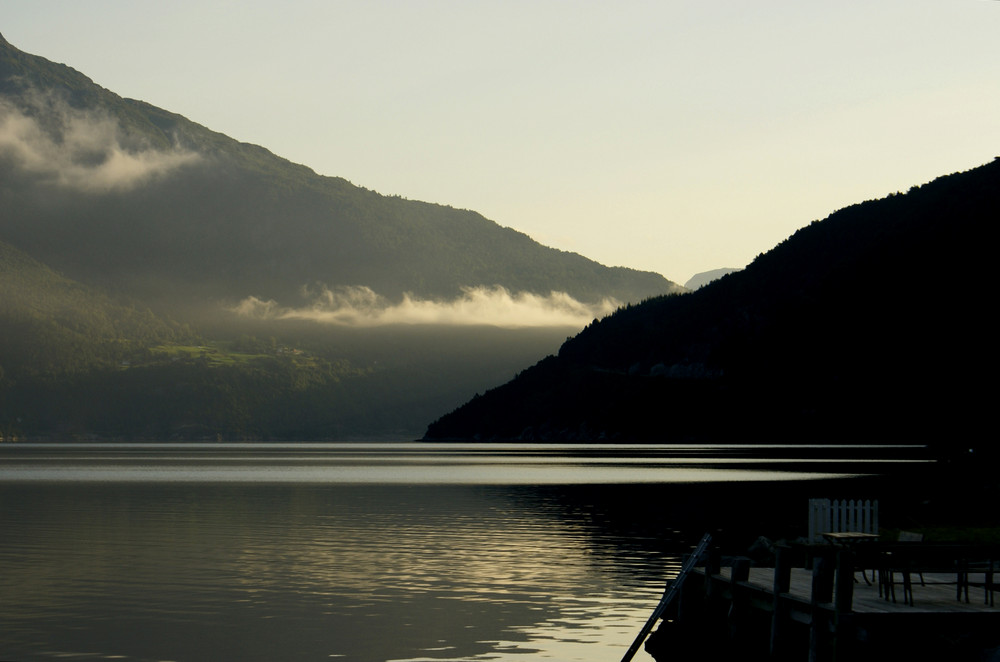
[(850, 539)]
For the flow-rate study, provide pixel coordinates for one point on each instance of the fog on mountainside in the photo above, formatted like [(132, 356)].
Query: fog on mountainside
[(220, 291)]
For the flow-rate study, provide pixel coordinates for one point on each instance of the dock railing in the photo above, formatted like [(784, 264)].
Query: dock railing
[(671, 592), (810, 606)]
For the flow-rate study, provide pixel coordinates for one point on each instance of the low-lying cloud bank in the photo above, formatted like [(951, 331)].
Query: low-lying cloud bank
[(78, 149), (493, 306)]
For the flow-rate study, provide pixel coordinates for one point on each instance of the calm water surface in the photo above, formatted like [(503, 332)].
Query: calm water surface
[(357, 551)]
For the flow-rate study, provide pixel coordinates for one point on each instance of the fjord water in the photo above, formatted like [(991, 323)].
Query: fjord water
[(367, 552)]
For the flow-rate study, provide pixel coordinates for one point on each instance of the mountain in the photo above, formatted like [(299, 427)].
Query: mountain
[(119, 193), (706, 277), (870, 326), (164, 281)]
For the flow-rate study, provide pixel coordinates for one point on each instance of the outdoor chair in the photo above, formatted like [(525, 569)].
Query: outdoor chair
[(972, 567)]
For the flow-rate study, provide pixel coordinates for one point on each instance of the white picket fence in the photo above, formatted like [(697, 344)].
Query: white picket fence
[(827, 516)]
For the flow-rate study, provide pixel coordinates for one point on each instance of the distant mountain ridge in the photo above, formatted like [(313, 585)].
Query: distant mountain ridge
[(841, 333), (706, 277), (162, 202)]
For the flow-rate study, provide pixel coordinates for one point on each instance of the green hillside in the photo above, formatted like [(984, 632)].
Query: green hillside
[(869, 326), (77, 364), (55, 326)]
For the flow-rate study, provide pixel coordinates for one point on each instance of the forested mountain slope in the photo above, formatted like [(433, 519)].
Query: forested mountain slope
[(52, 325), (872, 326), (164, 281), (117, 192)]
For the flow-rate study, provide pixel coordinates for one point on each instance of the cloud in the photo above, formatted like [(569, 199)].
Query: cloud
[(77, 149), (493, 306)]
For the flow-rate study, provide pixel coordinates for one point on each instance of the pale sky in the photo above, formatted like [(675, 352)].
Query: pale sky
[(672, 136)]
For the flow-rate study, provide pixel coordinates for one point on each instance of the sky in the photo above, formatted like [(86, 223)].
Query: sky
[(670, 136)]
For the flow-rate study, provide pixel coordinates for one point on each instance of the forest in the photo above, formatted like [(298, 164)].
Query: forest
[(870, 326), (77, 364)]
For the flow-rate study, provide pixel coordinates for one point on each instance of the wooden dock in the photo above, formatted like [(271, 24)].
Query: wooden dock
[(831, 610)]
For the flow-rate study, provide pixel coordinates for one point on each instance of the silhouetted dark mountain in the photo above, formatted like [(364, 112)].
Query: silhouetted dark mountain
[(131, 235), (871, 326)]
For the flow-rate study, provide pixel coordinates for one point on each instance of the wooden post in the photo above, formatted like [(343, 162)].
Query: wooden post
[(714, 563), (713, 566), (779, 612), (822, 579), (739, 601), (714, 605), (741, 570), (843, 602), (844, 596), (822, 594)]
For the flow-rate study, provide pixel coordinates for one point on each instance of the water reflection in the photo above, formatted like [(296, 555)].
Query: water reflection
[(436, 464), (197, 572), (147, 554)]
